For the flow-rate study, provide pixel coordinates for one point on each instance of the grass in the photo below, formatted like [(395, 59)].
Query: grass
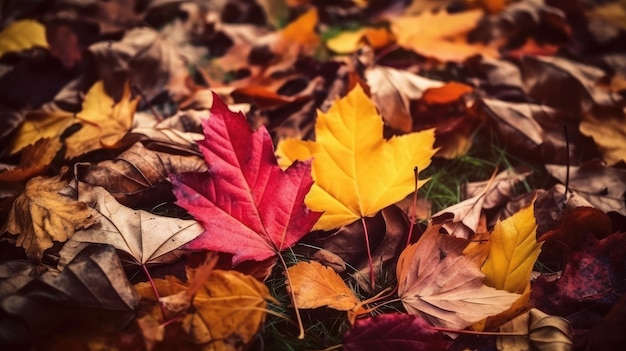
[(325, 327)]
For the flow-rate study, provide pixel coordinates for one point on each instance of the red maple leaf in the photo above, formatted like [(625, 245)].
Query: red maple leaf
[(248, 206)]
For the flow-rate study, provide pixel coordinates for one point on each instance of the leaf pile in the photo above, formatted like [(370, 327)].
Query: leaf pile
[(272, 174)]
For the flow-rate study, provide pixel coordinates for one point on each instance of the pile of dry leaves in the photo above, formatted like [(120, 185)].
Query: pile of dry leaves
[(239, 174)]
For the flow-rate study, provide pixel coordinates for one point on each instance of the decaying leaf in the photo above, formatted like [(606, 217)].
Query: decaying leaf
[(544, 333), (348, 143), (393, 331), (501, 189), (139, 175), (246, 203), (514, 250), (42, 214), (92, 289), (146, 237), (608, 131), (444, 287), (103, 122), (38, 125), (604, 187), (22, 35)]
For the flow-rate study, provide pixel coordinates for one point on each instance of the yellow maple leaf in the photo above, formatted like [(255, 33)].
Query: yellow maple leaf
[(104, 122), (356, 171), (41, 214), (514, 250), (22, 35), (40, 124)]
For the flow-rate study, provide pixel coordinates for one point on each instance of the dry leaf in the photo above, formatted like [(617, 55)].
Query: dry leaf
[(103, 121), (42, 214), (545, 333), (444, 287), (501, 190), (608, 131), (40, 124), (146, 237), (349, 42), (35, 160), (315, 285), (348, 142)]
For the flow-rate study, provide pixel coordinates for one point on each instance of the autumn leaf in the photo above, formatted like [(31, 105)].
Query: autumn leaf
[(103, 121), (608, 132), (315, 285), (514, 250), (544, 332), (393, 332), (248, 206), (36, 159), (22, 35), (349, 41), (38, 125), (146, 237), (42, 214), (444, 287), (348, 144)]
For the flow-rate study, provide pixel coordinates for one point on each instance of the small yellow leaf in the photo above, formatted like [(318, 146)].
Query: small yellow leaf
[(514, 250), (356, 171), (315, 285), (348, 42), (104, 122), (41, 214), (22, 35), (302, 31)]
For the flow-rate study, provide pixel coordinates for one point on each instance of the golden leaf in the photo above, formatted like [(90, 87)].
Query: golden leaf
[(104, 122), (356, 171), (38, 125), (41, 214), (22, 35), (315, 285), (514, 250)]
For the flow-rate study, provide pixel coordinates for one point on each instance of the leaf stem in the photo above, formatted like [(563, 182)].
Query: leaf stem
[(154, 290), (369, 255), (293, 297), (414, 208)]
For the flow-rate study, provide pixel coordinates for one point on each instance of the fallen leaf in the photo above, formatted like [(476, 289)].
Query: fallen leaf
[(604, 187), (42, 214), (152, 331), (146, 237), (608, 332), (103, 122), (246, 203), (444, 287), (35, 160), (315, 285), (350, 41), (514, 250), (22, 35), (229, 310), (425, 35), (92, 289), (40, 124), (300, 32), (393, 331), (139, 175), (343, 155), (392, 90), (544, 332), (462, 219), (502, 187), (608, 130)]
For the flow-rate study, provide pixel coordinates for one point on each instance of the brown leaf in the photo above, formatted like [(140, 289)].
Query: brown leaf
[(139, 175), (608, 129), (604, 187), (438, 283), (42, 214), (501, 189), (545, 333)]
